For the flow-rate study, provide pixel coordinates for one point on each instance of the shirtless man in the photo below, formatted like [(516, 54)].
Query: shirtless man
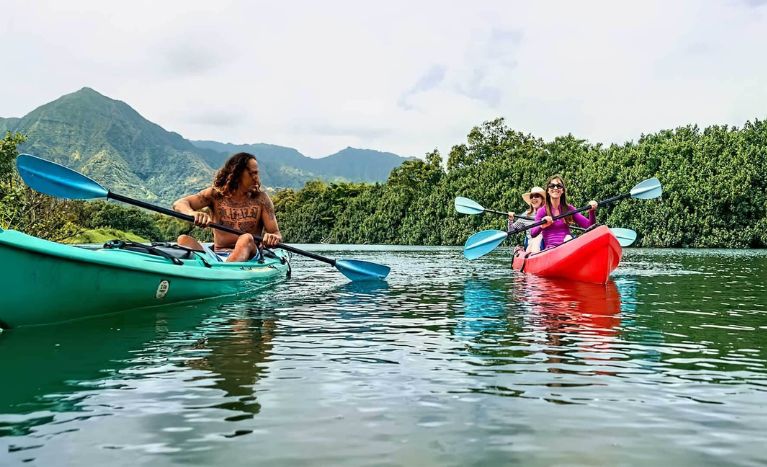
[(234, 200)]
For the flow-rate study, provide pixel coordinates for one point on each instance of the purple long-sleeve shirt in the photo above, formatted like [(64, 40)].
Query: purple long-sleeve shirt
[(555, 234)]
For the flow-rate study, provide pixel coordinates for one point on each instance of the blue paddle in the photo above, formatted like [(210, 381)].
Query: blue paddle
[(482, 243), (471, 207), (56, 180)]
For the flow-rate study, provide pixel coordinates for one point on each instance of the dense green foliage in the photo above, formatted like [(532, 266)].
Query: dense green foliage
[(25, 210), (713, 179), (714, 189)]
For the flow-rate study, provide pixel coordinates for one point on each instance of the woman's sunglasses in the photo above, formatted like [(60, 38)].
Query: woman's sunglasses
[(536, 195), (556, 186)]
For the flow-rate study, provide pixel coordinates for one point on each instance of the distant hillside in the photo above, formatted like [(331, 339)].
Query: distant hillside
[(349, 164), (7, 124), (109, 141)]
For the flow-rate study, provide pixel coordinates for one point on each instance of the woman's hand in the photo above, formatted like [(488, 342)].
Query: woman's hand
[(548, 221), (594, 205), (511, 216)]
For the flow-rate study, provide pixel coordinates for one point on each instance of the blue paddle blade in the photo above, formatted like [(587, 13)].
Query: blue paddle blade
[(357, 270), (625, 236), (56, 180), (482, 243), (648, 189), (467, 206)]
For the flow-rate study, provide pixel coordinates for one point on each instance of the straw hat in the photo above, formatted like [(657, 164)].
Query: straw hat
[(535, 189)]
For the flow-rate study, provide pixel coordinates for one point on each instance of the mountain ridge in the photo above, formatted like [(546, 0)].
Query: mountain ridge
[(111, 142)]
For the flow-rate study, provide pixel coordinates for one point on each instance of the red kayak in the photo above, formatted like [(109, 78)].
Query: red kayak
[(588, 258)]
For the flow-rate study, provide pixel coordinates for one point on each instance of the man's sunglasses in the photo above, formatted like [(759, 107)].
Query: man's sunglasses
[(556, 186)]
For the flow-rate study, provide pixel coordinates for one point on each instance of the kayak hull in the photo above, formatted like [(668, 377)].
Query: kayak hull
[(590, 257), (46, 282)]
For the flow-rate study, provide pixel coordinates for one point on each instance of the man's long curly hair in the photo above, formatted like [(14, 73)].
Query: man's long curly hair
[(227, 179)]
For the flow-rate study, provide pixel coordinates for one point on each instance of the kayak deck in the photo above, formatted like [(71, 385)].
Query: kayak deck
[(46, 282)]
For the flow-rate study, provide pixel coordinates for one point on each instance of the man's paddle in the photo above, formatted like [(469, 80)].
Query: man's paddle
[(482, 243), (56, 180)]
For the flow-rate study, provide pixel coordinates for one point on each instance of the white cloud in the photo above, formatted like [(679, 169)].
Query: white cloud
[(402, 76)]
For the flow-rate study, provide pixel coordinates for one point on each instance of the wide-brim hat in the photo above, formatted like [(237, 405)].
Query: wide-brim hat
[(535, 189)]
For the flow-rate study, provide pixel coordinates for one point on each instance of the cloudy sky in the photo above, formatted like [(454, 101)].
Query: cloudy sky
[(399, 76)]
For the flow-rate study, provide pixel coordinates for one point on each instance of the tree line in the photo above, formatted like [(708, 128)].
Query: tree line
[(713, 191)]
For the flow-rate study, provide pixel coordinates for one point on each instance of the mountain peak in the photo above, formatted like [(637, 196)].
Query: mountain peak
[(88, 91)]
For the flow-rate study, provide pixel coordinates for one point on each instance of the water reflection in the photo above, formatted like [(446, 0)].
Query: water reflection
[(52, 363), (233, 353), (448, 363), (484, 309), (561, 306)]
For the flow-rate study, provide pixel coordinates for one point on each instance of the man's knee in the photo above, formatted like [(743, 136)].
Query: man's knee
[(246, 240)]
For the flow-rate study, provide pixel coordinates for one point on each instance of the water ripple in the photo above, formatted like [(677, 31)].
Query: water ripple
[(448, 362)]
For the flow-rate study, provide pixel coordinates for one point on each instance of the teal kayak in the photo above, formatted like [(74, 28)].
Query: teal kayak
[(45, 282)]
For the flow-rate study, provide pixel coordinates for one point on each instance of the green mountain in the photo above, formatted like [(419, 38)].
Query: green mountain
[(350, 164), (7, 124), (109, 141)]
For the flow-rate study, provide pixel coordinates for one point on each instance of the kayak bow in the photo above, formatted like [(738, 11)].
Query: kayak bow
[(48, 282), (588, 258)]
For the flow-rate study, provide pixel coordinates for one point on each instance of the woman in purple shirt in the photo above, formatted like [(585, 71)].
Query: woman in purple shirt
[(557, 232)]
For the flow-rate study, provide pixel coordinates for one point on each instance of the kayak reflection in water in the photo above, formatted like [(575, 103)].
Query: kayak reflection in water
[(557, 232), (580, 321), (235, 200)]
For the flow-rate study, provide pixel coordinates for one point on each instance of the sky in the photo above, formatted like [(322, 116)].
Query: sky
[(400, 76)]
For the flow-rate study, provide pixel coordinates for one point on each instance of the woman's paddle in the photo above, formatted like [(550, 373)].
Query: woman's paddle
[(482, 243), (466, 206), (56, 180)]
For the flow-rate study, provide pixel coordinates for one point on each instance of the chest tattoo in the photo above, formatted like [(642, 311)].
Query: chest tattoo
[(242, 216)]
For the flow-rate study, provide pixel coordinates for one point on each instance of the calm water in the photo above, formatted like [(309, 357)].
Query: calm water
[(448, 363)]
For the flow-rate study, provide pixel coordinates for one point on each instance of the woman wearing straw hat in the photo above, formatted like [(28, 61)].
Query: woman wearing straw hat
[(534, 200)]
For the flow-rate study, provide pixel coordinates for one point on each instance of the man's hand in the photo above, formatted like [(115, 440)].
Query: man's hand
[(201, 219), (271, 240)]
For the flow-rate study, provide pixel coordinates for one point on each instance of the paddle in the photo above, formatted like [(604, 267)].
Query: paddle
[(56, 180), (482, 243), (468, 206)]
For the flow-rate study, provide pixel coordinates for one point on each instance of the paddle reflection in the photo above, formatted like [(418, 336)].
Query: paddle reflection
[(484, 309)]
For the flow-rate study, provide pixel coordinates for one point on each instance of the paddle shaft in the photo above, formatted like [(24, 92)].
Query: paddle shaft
[(528, 218), (223, 228), (584, 208)]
